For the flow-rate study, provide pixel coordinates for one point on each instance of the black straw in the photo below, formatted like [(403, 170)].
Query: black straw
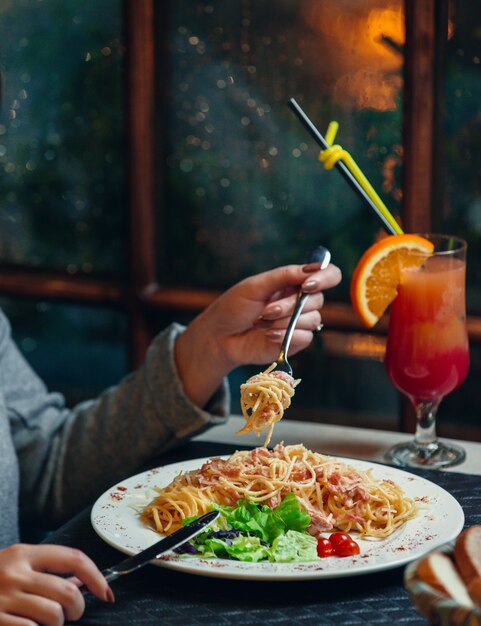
[(342, 167)]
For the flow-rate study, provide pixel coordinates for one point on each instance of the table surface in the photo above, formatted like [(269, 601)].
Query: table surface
[(154, 595)]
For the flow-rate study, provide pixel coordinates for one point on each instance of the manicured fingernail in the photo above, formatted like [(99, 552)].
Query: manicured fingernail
[(271, 312), (109, 596), (310, 286), (311, 267), (273, 334)]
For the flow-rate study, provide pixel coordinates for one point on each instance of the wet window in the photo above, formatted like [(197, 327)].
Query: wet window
[(460, 163), (61, 136), (78, 350), (243, 186)]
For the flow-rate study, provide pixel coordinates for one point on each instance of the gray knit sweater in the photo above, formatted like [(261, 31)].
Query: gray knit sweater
[(54, 461)]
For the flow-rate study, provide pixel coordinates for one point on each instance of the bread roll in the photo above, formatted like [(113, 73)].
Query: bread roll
[(467, 554), (439, 571)]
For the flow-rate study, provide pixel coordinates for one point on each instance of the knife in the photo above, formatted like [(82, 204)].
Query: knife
[(154, 551)]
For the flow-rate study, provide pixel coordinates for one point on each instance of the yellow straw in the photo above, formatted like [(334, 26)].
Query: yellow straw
[(330, 156)]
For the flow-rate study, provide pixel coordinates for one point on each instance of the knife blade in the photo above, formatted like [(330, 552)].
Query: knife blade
[(182, 535)]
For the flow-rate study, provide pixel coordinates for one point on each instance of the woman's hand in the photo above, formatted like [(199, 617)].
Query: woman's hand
[(31, 593), (247, 325)]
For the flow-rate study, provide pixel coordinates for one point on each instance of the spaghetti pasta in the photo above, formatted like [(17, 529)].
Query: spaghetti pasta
[(334, 494), (264, 398)]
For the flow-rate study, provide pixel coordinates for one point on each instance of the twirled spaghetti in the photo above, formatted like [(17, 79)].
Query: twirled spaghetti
[(264, 398), (334, 494)]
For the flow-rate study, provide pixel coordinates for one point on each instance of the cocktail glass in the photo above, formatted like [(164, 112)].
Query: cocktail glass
[(427, 353)]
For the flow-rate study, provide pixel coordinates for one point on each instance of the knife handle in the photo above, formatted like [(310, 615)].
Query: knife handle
[(111, 574)]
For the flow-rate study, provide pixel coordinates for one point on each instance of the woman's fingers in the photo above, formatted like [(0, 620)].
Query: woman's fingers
[(12, 620), (314, 284), (65, 560), (307, 321), (300, 339), (59, 591), (283, 308), (40, 610), (277, 283), (32, 591)]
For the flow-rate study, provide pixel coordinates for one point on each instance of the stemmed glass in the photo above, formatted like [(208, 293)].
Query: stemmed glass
[(427, 354)]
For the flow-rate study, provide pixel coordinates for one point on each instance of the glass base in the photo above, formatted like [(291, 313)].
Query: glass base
[(433, 456)]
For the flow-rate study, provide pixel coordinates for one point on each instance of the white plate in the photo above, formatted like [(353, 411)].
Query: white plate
[(439, 520)]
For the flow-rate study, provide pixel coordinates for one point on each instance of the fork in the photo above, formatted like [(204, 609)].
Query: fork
[(318, 255)]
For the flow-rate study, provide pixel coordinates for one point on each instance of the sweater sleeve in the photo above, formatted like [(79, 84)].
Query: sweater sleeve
[(67, 457)]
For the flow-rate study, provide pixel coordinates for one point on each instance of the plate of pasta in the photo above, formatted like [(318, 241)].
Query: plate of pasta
[(394, 516)]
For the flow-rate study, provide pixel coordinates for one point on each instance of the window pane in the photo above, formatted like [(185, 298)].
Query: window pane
[(61, 143), (77, 350), (461, 212), (244, 187)]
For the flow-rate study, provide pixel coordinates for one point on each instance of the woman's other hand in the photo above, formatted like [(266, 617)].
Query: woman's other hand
[(32, 593)]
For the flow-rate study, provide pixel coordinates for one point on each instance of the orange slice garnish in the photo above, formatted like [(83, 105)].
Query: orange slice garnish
[(377, 275)]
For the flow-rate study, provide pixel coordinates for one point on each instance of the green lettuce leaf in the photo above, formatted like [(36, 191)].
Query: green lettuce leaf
[(278, 535), (264, 522), (292, 515), (242, 548), (294, 547)]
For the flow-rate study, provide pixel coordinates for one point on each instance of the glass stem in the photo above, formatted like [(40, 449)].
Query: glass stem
[(426, 438)]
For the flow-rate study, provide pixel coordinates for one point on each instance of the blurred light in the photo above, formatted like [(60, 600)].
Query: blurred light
[(358, 345), (367, 44), (28, 344)]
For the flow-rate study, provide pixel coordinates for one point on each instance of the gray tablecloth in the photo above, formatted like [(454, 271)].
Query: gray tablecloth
[(157, 596)]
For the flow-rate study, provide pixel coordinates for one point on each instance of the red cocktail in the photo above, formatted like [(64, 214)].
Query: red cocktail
[(427, 354)]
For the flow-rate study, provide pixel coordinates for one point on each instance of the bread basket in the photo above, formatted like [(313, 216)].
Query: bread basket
[(438, 609)]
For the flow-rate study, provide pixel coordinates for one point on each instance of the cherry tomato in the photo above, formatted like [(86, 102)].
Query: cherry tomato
[(324, 547), (344, 545), (337, 539)]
